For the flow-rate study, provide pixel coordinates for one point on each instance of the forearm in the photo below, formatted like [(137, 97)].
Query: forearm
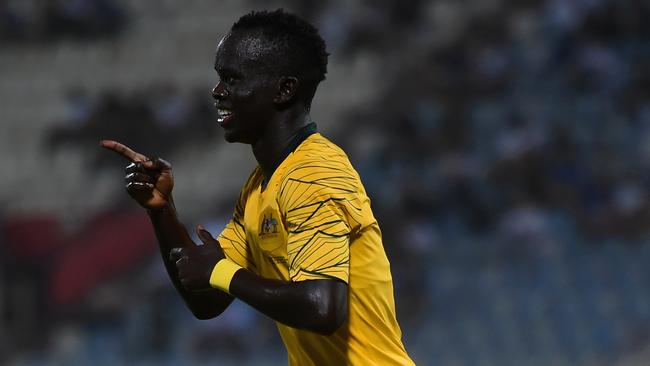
[(320, 306), (171, 233)]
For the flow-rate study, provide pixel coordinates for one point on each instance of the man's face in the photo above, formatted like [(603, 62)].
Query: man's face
[(244, 95)]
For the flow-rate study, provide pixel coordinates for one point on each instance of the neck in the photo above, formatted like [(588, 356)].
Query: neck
[(269, 147)]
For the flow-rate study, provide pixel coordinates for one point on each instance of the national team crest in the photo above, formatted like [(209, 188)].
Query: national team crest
[(269, 225), (272, 238)]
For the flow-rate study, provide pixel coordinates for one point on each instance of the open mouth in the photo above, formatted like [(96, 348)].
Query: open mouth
[(224, 115)]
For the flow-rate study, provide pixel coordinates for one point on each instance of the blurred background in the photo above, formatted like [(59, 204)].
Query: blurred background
[(505, 146)]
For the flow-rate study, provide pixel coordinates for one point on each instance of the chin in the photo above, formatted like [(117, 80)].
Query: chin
[(233, 136), (229, 137), (243, 136)]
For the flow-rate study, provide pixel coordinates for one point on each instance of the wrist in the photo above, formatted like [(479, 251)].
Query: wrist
[(157, 210), (223, 273), (168, 207)]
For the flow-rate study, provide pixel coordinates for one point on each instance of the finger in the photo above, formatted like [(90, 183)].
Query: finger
[(186, 283), (181, 266), (139, 187), (133, 168), (204, 235), (139, 178), (156, 163), (176, 253), (123, 150), (138, 167)]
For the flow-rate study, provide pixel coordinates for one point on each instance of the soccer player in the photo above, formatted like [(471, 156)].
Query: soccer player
[(303, 246)]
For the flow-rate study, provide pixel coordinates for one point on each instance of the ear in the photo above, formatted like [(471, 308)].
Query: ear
[(287, 89)]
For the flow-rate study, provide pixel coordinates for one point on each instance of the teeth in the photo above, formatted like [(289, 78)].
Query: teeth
[(223, 113)]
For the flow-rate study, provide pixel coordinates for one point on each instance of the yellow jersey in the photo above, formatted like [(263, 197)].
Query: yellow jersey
[(313, 221)]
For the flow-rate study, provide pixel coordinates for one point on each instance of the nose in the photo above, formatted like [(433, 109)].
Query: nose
[(219, 92)]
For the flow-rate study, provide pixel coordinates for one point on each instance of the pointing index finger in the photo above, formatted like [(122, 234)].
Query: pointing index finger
[(123, 150)]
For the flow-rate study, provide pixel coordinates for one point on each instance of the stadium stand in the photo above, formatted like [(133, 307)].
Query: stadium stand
[(504, 147)]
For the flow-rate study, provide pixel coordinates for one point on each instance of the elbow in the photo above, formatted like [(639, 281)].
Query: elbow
[(330, 317), (204, 315), (206, 312), (329, 326), (208, 305)]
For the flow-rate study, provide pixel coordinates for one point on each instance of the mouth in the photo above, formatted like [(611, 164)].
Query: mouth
[(224, 115)]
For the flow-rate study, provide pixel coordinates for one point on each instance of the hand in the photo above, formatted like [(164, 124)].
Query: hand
[(148, 181), (195, 264)]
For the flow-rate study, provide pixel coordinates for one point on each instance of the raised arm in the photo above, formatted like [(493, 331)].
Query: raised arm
[(150, 182)]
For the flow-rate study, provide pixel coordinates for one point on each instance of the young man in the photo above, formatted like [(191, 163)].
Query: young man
[(303, 246)]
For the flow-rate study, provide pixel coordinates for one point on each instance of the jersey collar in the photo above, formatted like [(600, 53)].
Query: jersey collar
[(297, 139), (300, 136)]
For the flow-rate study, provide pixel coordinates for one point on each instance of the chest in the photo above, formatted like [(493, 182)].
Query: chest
[(266, 234)]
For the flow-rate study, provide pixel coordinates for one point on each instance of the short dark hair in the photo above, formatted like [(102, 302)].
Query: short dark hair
[(293, 37)]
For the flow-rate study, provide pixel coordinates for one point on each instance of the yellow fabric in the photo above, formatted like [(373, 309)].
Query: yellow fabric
[(222, 274), (313, 221)]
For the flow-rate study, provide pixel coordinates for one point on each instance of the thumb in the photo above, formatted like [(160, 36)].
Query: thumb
[(204, 235), (156, 163), (176, 253)]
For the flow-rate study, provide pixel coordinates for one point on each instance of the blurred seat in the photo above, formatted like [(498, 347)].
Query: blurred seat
[(32, 237), (109, 245)]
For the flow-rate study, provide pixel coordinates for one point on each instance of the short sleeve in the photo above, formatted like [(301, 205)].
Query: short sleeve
[(312, 198), (234, 245), (233, 237)]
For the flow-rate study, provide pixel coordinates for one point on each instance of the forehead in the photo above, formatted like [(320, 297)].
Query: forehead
[(241, 49)]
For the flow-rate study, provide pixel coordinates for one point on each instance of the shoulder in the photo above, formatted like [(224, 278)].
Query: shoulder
[(318, 146), (318, 165), (317, 158)]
